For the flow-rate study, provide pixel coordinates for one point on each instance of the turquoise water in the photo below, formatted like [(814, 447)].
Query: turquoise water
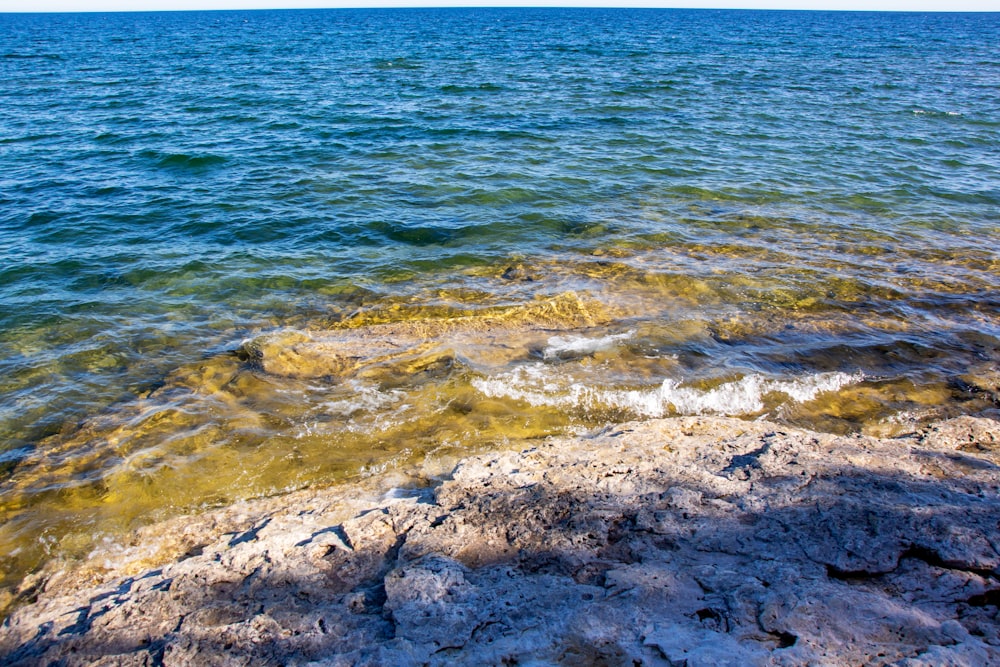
[(245, 252)]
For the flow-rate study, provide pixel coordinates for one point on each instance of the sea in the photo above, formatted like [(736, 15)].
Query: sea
[(248, 252)]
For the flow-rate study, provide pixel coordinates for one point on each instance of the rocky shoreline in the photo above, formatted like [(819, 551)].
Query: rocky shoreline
[(688, 541)]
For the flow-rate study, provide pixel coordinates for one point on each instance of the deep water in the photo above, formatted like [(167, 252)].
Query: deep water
[(246, 252)]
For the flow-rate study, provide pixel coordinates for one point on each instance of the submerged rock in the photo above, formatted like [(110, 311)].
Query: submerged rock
[(490, 337), (694, 541)]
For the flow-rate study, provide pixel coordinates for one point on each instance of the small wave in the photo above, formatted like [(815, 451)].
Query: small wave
[(560, 347), (472, 88), (364, 399), (183, 161), (418, 235), (740, 397), (397, 63), (538, 387), (28, 138), (366, 409), (191, 161), (33, 56), (936, 114)]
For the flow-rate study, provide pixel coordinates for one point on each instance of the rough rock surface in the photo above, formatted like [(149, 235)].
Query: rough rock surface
[(688, 541)]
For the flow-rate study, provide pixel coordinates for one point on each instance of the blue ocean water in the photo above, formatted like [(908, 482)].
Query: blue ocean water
[(784, 214)]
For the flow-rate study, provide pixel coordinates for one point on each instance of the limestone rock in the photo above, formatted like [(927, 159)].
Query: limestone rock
[(693, 541)]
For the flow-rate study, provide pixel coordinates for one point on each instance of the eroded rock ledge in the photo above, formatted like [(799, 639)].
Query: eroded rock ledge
[(688, 541)]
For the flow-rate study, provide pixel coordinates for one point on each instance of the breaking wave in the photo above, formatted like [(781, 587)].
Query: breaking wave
[(536, 385)]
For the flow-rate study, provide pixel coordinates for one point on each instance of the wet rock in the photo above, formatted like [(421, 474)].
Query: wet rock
[(518, 272)]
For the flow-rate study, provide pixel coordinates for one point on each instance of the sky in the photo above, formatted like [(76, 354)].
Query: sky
[(156, 5)]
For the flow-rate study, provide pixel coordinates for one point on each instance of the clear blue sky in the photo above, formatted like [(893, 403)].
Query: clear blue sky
[(148, 5)]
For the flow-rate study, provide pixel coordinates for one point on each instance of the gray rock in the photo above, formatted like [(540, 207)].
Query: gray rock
[(689, 541)]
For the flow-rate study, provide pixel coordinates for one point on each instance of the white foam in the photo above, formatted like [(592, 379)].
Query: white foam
[(534, 385), (578, 345), (364, 410), (531, 383), (924, 112), (743, 396), (364, 399)]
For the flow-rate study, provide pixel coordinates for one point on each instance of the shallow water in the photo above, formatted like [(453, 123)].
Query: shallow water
[(248, 252)]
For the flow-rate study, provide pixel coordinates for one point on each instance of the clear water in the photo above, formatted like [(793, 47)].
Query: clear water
[(247, 252)]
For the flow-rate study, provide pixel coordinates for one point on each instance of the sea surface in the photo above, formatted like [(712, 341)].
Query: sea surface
[(248, 252)]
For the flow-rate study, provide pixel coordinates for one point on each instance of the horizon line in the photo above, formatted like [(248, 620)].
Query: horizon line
[(851, 10)]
